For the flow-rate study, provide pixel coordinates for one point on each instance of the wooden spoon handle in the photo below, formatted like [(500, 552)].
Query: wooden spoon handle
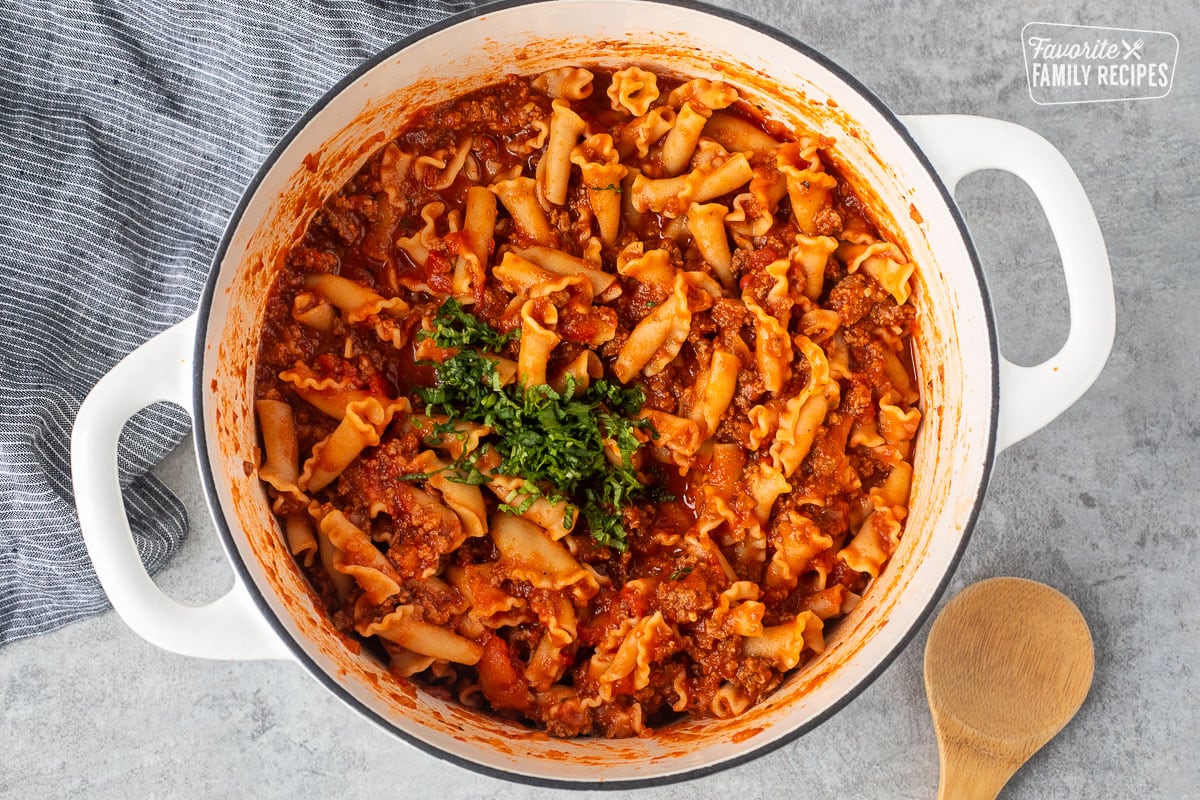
[(968, 774)]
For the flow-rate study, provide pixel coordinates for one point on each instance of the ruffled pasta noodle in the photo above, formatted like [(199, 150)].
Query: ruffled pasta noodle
[(706, 223), (884, 262), (738, 135), (405, 627), (714, 389), (519, 196), (604, 284), (671, 197), (281, 469), (311, 311), (301, 538), (808, 186), (554, 169), (602, 174), (611, 228), (657, 339), (633, 89), (358, 558), (565, 83), (642, 133), (479, 225), (753, 211), (538, 339), (361, 427)]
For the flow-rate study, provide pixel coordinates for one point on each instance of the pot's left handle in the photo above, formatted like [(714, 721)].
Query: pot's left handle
[(228, 628)]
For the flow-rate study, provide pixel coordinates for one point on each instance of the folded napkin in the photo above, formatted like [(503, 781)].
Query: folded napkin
[(128, 129)]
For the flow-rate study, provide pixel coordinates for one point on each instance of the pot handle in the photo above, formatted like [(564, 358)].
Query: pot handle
[(228, 628), (1030, 397)]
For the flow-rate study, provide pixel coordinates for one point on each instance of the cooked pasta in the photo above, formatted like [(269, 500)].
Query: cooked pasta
[(588, 401)]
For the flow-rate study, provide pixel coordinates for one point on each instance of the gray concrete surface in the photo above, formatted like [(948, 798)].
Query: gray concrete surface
[(1103, 504)]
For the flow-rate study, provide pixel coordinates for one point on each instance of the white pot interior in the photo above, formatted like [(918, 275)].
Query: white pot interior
[(954, 360)]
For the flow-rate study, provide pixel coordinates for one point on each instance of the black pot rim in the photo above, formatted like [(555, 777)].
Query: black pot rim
[(256, 594)]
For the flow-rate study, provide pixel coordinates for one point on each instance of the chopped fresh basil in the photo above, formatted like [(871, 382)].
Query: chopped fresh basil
[(554, 440)]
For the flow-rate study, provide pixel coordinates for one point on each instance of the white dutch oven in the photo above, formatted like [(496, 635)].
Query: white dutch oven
[(975, 402)]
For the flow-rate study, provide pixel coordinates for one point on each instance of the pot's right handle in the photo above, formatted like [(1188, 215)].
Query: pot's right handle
[(230, 627), (1030, 397)]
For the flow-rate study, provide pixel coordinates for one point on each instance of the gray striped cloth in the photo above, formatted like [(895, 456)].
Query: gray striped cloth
[(128, 129)]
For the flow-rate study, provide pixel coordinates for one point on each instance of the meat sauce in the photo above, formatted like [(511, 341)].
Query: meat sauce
[(701, 551)]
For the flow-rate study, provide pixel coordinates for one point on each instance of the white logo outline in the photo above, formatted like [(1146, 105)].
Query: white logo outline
[(1136, 46)]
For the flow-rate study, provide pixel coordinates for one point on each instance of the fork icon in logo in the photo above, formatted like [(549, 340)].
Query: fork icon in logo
[(1134, 49)]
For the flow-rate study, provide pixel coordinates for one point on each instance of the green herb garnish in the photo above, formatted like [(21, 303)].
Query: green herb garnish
[(612, 187), (457, 327), (554, 440), (682, 572), (466, 468)]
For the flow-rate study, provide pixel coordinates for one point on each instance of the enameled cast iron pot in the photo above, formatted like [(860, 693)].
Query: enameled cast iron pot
[(975, 403)]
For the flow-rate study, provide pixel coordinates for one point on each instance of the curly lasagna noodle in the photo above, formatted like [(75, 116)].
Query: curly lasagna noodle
[(588, 401)]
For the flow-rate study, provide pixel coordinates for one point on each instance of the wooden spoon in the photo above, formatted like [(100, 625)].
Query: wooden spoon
[(1007, 665)]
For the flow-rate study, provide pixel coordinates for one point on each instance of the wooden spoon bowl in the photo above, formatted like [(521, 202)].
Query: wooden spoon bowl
[(1008, 663)]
